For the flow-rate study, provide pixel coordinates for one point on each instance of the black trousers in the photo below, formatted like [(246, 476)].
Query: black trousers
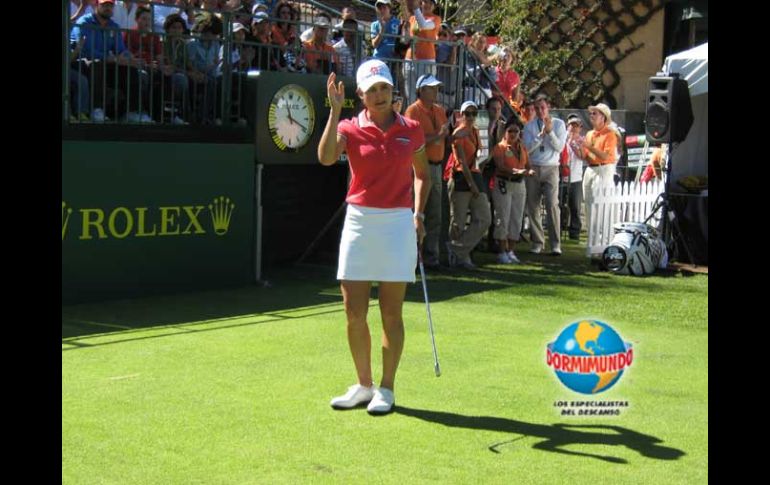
[(571, 201)]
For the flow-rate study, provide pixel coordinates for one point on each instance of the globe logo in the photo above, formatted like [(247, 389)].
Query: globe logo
[(589, 356)]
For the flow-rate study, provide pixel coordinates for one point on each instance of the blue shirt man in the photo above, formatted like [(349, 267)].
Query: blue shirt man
[(385, 24), (97, 43)]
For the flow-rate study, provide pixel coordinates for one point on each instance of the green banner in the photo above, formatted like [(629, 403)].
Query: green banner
[(145, 218)]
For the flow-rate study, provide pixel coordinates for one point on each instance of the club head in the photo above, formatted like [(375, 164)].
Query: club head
[(437, 369)]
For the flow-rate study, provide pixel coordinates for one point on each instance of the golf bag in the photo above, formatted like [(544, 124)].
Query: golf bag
[(635, 249)]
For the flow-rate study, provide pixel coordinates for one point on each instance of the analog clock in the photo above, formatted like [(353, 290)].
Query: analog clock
[(291, 118)]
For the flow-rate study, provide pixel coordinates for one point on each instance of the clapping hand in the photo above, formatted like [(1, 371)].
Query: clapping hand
[(548, 126)]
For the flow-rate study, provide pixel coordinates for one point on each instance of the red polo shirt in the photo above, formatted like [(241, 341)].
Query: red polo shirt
[(381, 162)]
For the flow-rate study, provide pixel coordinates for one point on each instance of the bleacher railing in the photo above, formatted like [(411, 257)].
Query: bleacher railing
[(166, 78)]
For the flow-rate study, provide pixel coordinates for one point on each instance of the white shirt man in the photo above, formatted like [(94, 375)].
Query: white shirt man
[(345, 49)]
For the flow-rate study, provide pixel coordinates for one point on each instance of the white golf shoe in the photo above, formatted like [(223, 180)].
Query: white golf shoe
[(382, 402), (357, 394)]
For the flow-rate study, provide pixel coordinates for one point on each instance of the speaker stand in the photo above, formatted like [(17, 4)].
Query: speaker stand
[(671, 231)]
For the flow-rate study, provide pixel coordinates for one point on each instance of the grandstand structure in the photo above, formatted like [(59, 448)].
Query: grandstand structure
[(173, 184)]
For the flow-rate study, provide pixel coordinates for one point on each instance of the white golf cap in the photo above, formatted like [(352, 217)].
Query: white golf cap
[(260, 17), (238, 26), (258, 6), (428, 80), (386, 2), (372, 72), (322, 22), (468, 104), (574, 118)]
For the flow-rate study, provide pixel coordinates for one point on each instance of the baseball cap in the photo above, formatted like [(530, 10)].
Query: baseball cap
[(428, 80), (372, 72), (574, 118), (468, 104), (260, 17)]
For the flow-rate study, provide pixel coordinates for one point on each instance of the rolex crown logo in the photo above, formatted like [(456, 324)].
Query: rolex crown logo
[(221, 211), (65, 218)]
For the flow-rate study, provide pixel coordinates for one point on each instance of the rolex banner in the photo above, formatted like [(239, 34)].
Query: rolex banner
[(144, 218)]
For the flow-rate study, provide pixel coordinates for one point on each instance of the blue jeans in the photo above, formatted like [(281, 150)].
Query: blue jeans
[(180, 96)]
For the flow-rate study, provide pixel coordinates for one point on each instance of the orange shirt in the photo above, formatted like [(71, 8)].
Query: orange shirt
[(431, 121), (470, 145), (604, 140), (518, 158), (424, 50), (314, 56), (281, 38)]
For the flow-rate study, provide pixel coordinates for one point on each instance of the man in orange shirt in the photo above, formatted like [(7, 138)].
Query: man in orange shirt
[(599, 149), (320, 57), (421, 58), (432, 119)]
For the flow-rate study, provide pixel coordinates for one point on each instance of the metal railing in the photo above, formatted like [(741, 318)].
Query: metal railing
[(162, 78)]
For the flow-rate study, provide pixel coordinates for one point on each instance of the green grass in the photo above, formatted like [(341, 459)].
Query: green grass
[(233, 386)]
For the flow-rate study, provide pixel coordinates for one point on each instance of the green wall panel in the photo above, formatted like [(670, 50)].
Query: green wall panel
[(144, 218)]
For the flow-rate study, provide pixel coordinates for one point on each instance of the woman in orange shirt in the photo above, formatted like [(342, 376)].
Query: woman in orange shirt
[(284, 33), (510, 194), (465, 191)]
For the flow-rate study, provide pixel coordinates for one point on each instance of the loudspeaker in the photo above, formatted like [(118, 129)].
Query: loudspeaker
[(669, 111)]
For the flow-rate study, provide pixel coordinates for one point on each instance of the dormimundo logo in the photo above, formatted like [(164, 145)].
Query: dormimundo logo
[(589, 356), (122, 222)]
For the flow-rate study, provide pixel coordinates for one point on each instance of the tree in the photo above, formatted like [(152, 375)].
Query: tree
[(567, 48)]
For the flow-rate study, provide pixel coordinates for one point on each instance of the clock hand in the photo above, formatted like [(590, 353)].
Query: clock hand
[(300, 124), (289, 111)]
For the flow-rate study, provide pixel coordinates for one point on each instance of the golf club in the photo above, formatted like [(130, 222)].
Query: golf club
[(427, 308)]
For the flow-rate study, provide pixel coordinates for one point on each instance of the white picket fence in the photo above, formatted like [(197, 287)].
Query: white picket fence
[(629, 202)]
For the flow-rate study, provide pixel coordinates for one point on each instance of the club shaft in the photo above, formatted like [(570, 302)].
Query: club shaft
[(430, 319)]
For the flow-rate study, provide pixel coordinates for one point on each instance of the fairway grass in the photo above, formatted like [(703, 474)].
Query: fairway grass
[(233, 386)]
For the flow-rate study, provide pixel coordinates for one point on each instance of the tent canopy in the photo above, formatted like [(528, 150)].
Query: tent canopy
[(692, 66)]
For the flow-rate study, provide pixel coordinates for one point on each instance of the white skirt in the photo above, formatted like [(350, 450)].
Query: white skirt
[(378, 245)]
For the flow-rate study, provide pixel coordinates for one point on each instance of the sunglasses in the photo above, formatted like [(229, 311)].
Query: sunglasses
[(471, 114), (513, 131)]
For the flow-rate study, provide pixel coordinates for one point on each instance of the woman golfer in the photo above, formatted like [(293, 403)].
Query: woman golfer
[(379, 240)]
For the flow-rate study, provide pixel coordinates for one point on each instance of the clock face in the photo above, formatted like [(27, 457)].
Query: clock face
[(291, 119)]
